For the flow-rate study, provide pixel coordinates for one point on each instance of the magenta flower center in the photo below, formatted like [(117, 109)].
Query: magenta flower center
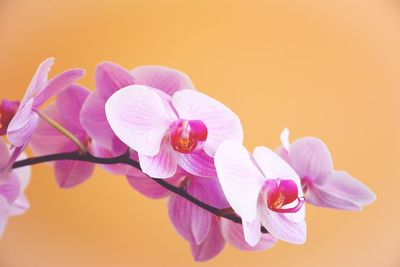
[(279, 193), (187, 136), (7, 112)]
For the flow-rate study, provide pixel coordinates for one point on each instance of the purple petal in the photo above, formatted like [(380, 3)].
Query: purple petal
[(69, 104), (4, 154), (56, 85), (110, 77), (45, 139), (119, 169), (222, 124), (39, 79), (10, 189), (233, 234), (211, 246), (199, 164), (22, 125), (311, 159), (70, 173), (191, 221), (240, 179), (138, 117), (94, 121), (163, 165), (165, 79), (341, 191), (147, 186)]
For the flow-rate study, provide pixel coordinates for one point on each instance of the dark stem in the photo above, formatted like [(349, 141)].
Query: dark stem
[(125, 159)]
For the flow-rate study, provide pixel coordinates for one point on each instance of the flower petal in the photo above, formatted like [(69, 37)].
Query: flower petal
[(110, 77), (10, 189), (240, 179), (280, 227), (56, 85), (119, 169), (22, 125), (191, 222), (138, 117), (199, 164), (163, 165), (45, 139), (211, 246), (343, 184), (233, 234), (311, 159), (70, 173), (222, 124), (94, 121), (69, 104), (341, 191), (165, 79), (252, 231), (39, 79), (273, 166), (4, 154), (147, 186)]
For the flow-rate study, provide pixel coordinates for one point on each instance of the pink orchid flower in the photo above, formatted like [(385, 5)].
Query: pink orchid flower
[(322, 185), (12, 199), (47, 140), (109, 78), (183, 130), (263, 190), (23, 122)]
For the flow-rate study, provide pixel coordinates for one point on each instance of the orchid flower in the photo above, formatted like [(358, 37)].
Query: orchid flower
[(48, 140), (21, 122), (322, 185), (12, 199), (109, 78), (262, 189), (185, 129)]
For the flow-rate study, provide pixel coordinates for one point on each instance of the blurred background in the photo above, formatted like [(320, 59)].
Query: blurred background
[(324, 68)]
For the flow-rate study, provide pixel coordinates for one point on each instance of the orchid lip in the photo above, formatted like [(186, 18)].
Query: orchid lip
[(187, 136), (280, 193)]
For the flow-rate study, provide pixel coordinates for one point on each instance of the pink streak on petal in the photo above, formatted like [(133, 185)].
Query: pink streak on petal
[(211, 246), (56, 85), (165, 79), (222, 124), (233, 234), (110, 77), (311, 158), (163, 165), (199, 164), (138, 117)]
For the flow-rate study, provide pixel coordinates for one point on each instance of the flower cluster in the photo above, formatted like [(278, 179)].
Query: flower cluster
[(189, 147)]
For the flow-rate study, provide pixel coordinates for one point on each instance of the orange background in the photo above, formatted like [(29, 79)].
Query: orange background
[(323, 68)]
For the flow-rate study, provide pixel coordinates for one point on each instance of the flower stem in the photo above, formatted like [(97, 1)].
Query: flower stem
[(63, 131), (125, 159)]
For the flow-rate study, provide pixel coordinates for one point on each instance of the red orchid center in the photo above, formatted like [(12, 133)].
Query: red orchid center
[(7, 112), (279, 193), (187, 136)]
